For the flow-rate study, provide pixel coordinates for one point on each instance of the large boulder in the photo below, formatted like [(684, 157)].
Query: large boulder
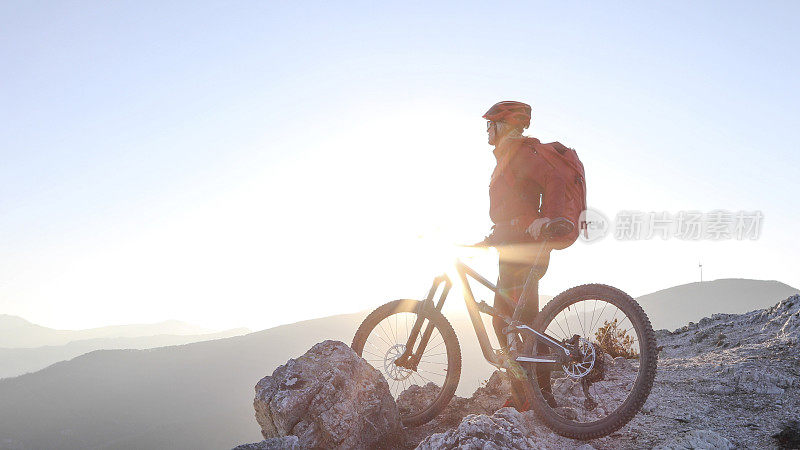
[(330, 398)]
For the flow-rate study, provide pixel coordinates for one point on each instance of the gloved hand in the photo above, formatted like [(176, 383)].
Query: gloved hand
[(535, 228), (488, 241)]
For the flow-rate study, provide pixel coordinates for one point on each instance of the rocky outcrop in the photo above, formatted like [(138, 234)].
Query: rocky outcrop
[(736, 375), (730, 380), (480, 431), (506, 428), (329, 398), (485, 400)]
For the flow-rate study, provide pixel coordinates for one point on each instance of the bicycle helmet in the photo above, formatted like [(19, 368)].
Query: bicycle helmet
[(514, 113)]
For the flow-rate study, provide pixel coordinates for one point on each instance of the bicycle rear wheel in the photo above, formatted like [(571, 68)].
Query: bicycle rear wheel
[(423, 392), (611, 373)]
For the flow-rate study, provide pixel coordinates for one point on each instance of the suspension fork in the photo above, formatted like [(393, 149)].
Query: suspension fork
[(410, 357)]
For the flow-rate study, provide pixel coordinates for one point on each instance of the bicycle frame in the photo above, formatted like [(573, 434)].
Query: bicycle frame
[(410, 357)]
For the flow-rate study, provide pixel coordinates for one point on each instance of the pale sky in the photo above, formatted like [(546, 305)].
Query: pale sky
[(258, 163)]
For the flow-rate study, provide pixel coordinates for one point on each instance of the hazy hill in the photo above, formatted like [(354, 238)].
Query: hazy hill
[(200, 395), (190, 396), (16, 332), (676, 306), (17, 361)]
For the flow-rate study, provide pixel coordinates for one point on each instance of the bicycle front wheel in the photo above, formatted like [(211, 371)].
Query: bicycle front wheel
[(612, 365), (423, 392)]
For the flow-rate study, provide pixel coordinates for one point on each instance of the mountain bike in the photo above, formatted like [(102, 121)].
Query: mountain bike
[(585, 365)]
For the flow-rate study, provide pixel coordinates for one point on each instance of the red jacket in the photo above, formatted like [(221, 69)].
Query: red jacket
[(524, 185)]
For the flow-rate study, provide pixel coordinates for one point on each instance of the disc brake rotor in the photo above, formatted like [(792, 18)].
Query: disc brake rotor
[(578, 369), (394, 371)]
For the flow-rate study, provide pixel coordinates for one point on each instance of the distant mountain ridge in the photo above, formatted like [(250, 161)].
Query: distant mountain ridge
[(674, 307), (188, 396), (16, 332), (18, 361)]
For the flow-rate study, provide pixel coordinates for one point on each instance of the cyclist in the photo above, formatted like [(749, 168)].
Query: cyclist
[(525, 192)]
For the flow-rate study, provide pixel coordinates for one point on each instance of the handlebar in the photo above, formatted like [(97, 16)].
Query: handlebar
[(559, 226), (554, 229)]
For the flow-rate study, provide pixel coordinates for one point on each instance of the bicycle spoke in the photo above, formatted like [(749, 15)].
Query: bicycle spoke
[(566, 322), (384, 332), (578, 317), (429, 372), (408, 333), (393, 335), (435, 346), (432, 362), (373, 354), (597, 323), (413, 390), (601, 313), (415, 374), (423, 377), (562, 330)]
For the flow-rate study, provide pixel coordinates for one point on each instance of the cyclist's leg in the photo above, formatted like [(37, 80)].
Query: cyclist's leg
[(515, 267), (531, 306), (524, 257), (524, 260), (507, 282), (516, 262), (529, 314)]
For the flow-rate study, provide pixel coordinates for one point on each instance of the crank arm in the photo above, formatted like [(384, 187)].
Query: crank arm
[(535, 360), (541, 363)]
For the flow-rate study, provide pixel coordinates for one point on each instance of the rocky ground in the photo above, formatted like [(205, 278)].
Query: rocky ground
[(729, 381), (735, 375)]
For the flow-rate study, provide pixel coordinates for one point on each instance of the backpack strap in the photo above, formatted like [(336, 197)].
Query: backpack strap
[(505, 159), (560, 148)]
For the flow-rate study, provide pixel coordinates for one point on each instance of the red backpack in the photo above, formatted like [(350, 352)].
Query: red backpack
[(565, 160)]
